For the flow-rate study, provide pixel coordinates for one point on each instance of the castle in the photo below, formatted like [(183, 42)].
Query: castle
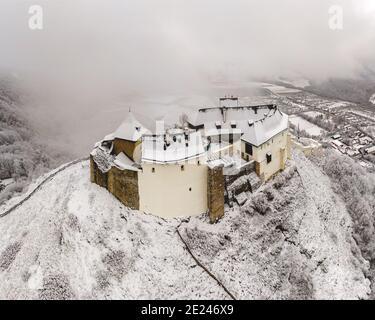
[(191, 168)]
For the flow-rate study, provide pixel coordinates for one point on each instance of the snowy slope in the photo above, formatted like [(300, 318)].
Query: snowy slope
[(74, 236), (302, 247), (72, 239)]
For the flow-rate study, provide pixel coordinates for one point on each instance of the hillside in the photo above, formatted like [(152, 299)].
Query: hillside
[(72, 239), (354, 90), (23, 154)]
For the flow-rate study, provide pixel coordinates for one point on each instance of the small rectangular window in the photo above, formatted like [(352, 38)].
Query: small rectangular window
[(269, 157), (231, 138), (249, 149), (182, 168), (153, 170)]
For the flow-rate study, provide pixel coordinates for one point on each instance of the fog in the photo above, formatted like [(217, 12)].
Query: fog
[(96, 58)]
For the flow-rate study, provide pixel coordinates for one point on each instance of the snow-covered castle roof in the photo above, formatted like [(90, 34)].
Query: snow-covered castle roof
[(257, 124), (172, 148), (254, 124), (131, 129)]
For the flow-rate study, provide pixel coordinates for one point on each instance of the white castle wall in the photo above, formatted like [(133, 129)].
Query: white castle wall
[(277, 146), (171, 192)]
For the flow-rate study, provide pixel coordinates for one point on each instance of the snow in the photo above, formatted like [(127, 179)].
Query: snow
[(303, 124), (279, 89), (363, 114), (72, 229), (314, 114), (7, 182), (371, 149), (123, 162), (337, 104), (257, 126), (372, 99), (179, 150), (298, 83), (131, 129), (314, 245), (73, 239)]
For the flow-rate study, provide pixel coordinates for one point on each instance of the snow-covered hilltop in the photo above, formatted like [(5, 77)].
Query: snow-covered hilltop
[(372, 99), (72, 239)]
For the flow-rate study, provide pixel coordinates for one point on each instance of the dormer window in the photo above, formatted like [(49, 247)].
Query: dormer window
[(251, 123), (233, 124), (218, 125)]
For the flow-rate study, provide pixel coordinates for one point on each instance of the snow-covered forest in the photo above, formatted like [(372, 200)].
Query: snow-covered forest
[(23, 156), (356, 187)]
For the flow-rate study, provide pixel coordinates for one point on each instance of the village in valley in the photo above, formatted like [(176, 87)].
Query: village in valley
[(347, 127)]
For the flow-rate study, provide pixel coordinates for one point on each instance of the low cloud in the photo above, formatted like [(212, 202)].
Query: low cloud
[(98, 55)]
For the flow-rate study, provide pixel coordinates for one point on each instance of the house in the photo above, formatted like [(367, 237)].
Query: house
[(186, 169), (370, 150)]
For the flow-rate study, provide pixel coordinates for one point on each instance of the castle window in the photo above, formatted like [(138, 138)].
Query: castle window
[(199, 162), (182, 168), (231, 138), (249, 149), (189, 189), (153, 170), (269, 157)]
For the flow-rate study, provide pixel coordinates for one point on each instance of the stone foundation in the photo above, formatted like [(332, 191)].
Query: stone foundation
[(96, 175), (123, 184), (239, 183), (215, 193)]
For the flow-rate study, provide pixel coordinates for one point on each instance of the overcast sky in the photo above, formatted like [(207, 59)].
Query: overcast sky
[(90, 50)]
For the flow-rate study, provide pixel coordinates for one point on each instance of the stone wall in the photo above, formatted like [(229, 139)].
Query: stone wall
[(240, 182), (96, 175), (127, 147), (123, 184), (246, 169), (215, 193)]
